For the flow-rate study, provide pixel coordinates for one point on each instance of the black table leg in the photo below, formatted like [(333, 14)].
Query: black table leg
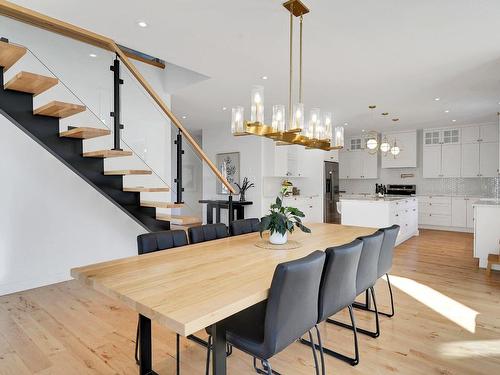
[(145, 347), (219, 349), (240, 212), (210, 214)]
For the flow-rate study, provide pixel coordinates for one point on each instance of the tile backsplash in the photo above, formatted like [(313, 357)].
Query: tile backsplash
[(481, 187)]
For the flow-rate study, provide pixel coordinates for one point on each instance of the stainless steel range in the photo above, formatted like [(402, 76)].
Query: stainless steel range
[(401, 190)]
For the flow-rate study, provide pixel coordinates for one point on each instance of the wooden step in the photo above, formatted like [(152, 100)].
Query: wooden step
[(126, 172), (161, 204), (106, 154), (31, 83), (9, 54), (59, 109), (180, 219), (85, 133), (493, 260), (142, 189)]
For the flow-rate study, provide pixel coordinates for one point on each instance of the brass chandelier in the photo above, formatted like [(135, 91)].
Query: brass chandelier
[(318, 132)]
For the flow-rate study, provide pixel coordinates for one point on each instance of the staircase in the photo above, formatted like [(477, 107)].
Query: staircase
[(42, 125)]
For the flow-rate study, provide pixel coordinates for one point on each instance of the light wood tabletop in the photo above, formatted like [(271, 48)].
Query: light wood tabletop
[(192, 287)]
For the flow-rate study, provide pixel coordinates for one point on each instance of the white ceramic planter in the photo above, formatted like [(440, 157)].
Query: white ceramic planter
[(278, 239)]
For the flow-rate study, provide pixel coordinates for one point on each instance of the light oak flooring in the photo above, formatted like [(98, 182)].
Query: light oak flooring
[(447, 322)]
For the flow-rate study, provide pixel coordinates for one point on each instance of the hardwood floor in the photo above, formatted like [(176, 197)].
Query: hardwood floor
[(447, 322)]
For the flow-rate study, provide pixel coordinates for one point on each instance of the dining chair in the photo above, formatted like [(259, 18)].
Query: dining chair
[(152, 242), (207, 232), (385, 265), (366, 277), (244, 226), (290, 312), (337, 292)]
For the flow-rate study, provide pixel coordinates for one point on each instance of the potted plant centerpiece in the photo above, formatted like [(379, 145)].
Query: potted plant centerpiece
[(282, 220)]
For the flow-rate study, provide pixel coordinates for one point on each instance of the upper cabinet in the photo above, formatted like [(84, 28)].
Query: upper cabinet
[(407, 142), (359, 164), (283, 161), (470, 151)]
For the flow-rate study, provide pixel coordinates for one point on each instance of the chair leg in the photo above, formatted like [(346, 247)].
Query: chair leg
[(365, 307), (315, 357), (321, 352), (137, 345), (178, 354), (266, 367), (209, 349), (352, 361)]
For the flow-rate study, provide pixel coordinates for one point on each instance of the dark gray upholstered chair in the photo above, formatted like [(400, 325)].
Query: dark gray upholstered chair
[(157, 241), (338, 291), (385, 265), (207, 232), (367, 276), (244, 226), (291, 311)]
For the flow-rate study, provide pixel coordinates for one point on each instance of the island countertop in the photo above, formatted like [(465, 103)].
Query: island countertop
[(377, 199)]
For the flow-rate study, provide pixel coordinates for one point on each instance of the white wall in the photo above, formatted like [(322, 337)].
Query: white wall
[(52, 220), (220, 140)]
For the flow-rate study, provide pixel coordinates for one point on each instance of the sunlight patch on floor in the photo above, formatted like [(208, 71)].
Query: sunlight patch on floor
[(471, 349), (453, 310)]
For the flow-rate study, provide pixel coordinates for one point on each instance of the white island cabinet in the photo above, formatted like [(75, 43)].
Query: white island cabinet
[(381, 213), (486, 229)]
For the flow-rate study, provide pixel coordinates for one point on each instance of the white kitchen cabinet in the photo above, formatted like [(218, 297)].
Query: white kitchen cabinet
[(480, 133), (470, 211), (432, 137), (332, 155), (458, 212), (288, 161), (450, 160), (358, 165), (488, 162), (479, 159), (407, 142), (435, 210), (432, 161), (311, 206)]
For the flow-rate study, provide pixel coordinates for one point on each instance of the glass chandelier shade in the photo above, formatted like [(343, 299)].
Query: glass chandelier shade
[(257, 106), (279, 121), (385, 146), (372, 144), (297, 122), (313, 127), (338, 137), (327, 128), (395, 150), (237, 120)]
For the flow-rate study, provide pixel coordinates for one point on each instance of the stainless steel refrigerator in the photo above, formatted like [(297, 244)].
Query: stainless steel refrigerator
[(331, 193)]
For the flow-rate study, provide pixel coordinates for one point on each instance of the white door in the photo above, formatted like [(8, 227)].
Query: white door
[(344, 164), (458, 212), (470, 134), (470, 160), (488, 161), (450, 160), (489, 133), (432, 161), (356, 164)]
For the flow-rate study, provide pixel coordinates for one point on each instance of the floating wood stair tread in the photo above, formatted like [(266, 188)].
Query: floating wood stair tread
[(9, 54), (180, 219), (31, 83), (142, 189), (161, 204), (126, 172), (107, 154), (59, 109), (85, 133)]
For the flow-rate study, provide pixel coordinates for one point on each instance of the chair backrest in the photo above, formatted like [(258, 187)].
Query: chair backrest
[(387, 250), (367, 274), (151, 242), (244, 226), (338, 283), (207, 232), (292, 306)]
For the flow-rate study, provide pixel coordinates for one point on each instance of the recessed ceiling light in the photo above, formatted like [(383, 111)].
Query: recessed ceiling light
[(224, 108), (346, 123), (395, 119), (184, 117), (453, 120), (264, 77), (92, 55), (142, 24), (447, 111), (373, 106), (363, 130), (385, 113), (437, 99)]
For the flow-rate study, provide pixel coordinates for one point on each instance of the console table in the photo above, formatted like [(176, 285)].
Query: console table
[(238, 206)]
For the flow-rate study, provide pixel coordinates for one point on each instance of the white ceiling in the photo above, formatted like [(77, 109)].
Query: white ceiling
[(396, 54)]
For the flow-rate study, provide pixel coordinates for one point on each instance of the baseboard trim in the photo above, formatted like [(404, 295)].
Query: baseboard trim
[(448, 229)]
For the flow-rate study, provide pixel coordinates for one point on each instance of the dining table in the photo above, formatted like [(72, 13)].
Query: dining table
[(189, 288)]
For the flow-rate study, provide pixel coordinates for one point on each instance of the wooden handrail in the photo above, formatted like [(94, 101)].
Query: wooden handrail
[(54, 25)]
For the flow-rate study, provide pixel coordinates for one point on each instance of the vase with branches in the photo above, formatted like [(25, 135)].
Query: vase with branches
[(244, 187)]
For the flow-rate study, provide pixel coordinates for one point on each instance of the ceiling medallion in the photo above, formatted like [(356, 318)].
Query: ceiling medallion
[(318, 132)]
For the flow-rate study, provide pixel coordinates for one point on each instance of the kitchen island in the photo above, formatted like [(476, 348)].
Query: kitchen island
[(486, 229), (382, 212)]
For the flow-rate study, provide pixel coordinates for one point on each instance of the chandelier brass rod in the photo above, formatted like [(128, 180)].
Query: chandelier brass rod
[(291, 70), (300, 62)]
